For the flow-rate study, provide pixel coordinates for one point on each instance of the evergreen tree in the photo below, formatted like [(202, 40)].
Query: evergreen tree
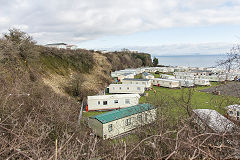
[(155, 61)]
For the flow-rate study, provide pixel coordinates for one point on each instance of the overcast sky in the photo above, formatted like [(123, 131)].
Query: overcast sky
[(160, 27)]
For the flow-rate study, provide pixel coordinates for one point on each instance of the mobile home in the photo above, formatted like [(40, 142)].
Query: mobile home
[(125, 75), (201, 82), (121, 72), (109, 102), (234, 111), (210, 120), (146, 75), (166, 83), (166, 76), (185, 82), (118, 122), (145, 82), (126, 88)]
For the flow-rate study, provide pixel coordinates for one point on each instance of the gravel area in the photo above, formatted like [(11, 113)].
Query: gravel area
[(230, 89)]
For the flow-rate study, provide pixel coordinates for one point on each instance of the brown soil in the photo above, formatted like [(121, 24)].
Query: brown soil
[(230, 89)]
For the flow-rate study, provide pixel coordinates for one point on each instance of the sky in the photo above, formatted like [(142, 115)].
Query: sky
[(159, 27)]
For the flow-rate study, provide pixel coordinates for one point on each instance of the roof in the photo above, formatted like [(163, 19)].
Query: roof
[(57, 44), (147, 74), (126, 74), (121, 113), (233, 107), (113, 96), (215, 120), (132, 79), (167, 75), (166, 80), (185, 80), (137, 85)]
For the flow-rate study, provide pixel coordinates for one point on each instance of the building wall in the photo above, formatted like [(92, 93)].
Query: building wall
[(119, 88), (99, 104), (57, 46), (234, 113), (119, 126), (121, 77), (96, 126), (147, 77), (147, 84), (169, 84), (202, 82)]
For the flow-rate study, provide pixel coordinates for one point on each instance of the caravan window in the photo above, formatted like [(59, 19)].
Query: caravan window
[(99, 102), (104, 102), (146, 117), (127, 88), (115, 101), (139, 117), (127, 101), (128, 121), (110, 128), (138, 88), (120, 88)]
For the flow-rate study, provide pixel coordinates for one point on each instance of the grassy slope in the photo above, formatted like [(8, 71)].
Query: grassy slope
[(200, 100)]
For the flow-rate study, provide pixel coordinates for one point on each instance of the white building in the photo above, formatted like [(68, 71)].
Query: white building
[(125, 75), (121, 72), (184, 75), (118, 122), (145, 82), (166, 83), (62, 46), (71, 47), (166, 76), (211, 120), (146, 75), (201, 82), (185, 82), (234, 111), (57, 45), (109, 102), (127, 88)]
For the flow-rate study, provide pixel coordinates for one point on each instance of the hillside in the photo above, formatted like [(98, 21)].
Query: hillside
[(39, 90), (39, 107)]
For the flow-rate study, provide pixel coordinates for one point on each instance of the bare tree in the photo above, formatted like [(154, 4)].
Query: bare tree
[(232, 60)]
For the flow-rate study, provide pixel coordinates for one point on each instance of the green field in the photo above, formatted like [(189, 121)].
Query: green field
[(179, 97), (176, 99)]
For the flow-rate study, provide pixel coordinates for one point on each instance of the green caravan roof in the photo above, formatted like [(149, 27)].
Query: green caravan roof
[(121, 113)]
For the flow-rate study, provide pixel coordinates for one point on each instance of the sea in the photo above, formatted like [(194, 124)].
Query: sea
[(191, 60)]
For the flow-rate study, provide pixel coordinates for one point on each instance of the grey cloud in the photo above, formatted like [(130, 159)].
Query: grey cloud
[(183, 49), (64, 20)]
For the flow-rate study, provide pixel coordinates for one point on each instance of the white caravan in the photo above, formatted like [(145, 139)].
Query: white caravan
[(145, 82), (166, 83), (202, 82), (126, 88), (110, 102)]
